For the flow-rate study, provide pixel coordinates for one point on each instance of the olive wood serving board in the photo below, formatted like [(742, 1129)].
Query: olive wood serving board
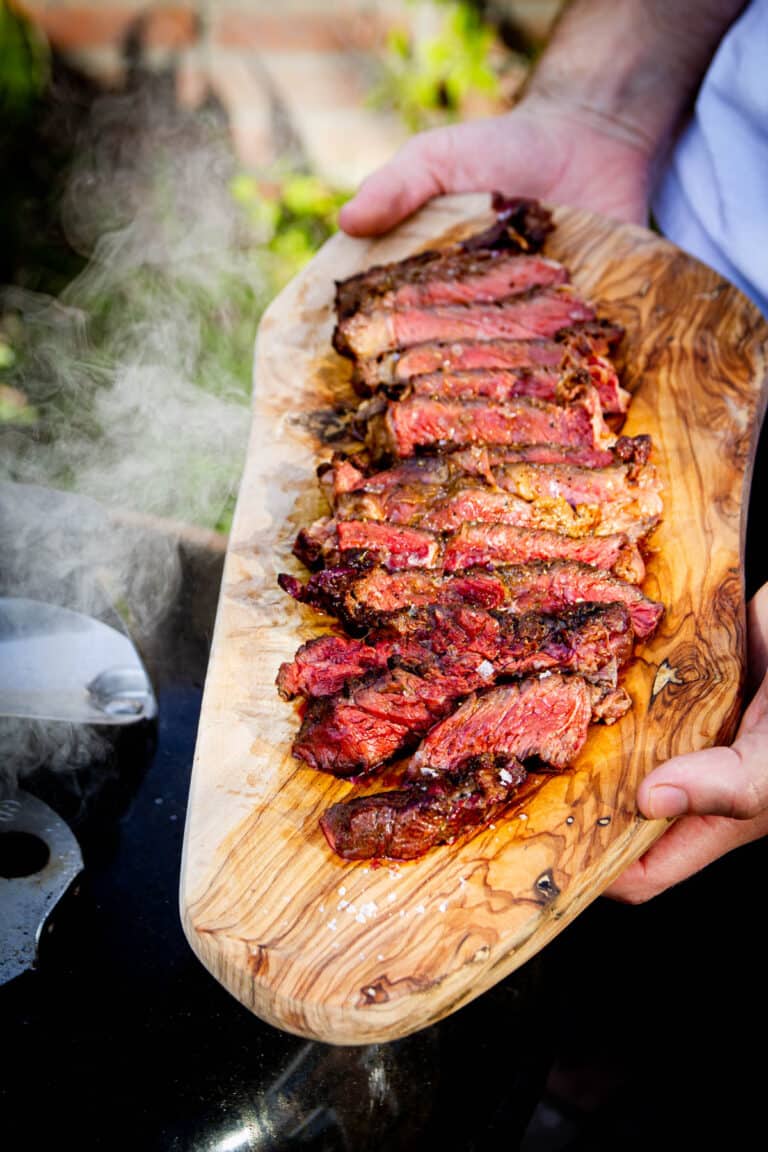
[(362, 952)]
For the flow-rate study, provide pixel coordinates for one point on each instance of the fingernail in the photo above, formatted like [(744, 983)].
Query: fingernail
[(667, 800)]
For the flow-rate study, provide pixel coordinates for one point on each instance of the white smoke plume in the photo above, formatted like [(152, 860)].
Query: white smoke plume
[(154, 421)]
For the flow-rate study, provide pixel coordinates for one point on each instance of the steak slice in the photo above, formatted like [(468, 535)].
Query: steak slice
[(404, 823), (502, 384), (522, 226), (600, 636), (483, 460), (394, 546), (474, 503), (367, 542), (551, 587), (493, 384), (344, 474), (496, 545), (463, 649), (563, 498), (583, 343), (544, 717), (541, 313), (399, 368), (453, 276), (618, 482), (322, 666), (364, 599), (418, 423)]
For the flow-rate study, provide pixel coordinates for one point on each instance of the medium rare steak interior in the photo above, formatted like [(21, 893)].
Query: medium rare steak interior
[(482, 556)]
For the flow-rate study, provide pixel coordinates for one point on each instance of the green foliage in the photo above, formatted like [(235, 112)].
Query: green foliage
[(15, 408), (57, 368), (289, 219), (433, 78), (24, 62)]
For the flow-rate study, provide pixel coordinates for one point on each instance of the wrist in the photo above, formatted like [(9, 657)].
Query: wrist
[(585, 111), (630, 67)]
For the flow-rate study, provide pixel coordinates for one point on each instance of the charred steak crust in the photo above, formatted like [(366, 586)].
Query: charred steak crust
[(405, 823), (425, 666), (521, 227), (485, 547), (362, 599)]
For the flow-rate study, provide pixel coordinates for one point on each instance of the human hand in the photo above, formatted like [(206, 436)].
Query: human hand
[(544, 148), (719, 794)]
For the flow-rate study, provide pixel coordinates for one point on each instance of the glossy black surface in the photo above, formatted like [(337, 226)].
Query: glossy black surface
[(121, 1039), (635, 1028)]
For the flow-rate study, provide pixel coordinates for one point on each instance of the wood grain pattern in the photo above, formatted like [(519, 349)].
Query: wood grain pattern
[(350, 953)]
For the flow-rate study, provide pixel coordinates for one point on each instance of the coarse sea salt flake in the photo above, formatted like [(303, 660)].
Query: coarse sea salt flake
[(485, 669)]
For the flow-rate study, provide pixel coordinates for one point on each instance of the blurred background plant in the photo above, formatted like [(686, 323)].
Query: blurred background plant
[(289, 218), (456, 59), (138, 253), (24, 63)]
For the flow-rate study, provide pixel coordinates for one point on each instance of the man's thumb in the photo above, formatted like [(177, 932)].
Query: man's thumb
[(729, 782), (420, 170)]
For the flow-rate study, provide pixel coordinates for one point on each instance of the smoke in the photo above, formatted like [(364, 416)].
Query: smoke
[(150, 416), (138, 371)]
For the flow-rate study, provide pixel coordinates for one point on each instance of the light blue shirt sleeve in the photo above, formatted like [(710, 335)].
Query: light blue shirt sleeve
[(712, 200)]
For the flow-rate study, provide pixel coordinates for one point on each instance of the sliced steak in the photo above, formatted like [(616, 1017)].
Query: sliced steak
[(502, 384), (483, 548), (394, 546), (454, 276), (378, 718), (595, 638), (547, 718), (418, 423), (619, 482), (498, 385), (588, 344), (551, 587), (478, 504), (404, 823), (521, 226), (483, 460), (393, 368), (476, 545), (362, 600), (496, 545), (559, 497), (343, 474), (542, 313), (322, 666)]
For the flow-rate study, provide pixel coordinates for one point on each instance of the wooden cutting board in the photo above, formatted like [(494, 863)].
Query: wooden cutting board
[(353, 953)]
